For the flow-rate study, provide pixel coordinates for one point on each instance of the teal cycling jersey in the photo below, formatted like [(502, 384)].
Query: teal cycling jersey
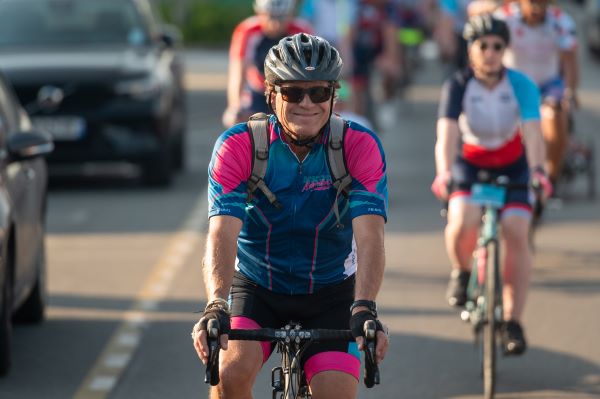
[(299, 248)]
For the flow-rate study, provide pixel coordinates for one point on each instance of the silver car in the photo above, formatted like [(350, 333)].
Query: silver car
[(23, 178)]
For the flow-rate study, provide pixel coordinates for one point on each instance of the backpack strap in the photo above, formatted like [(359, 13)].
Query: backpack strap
[(337, 163), (258, 124)]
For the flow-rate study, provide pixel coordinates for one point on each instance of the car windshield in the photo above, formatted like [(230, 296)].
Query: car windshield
[(43, 23)]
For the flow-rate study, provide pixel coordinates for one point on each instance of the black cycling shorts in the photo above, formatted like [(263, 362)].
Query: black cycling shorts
[(253, 306), (518, 201)]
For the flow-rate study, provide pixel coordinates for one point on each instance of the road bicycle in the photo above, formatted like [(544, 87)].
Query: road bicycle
[(483, 308), (288, 380)]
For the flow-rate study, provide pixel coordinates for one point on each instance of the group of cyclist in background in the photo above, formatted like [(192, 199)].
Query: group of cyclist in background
[(377, 37), (513, 80)]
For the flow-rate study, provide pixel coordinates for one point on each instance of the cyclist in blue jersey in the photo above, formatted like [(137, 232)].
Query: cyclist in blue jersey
[(313, 256), (495, 111)]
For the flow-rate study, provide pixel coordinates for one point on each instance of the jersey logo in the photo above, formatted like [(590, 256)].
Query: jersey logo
[(317, 183), (505, 97)]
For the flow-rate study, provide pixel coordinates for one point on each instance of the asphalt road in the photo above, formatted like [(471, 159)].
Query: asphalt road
[(125, 280)]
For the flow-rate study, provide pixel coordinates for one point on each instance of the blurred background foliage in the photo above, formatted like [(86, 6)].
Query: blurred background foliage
[(204, 22)]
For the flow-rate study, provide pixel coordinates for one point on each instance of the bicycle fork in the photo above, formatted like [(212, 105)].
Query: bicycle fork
[(474, 308), (474, 311), (284, 379)]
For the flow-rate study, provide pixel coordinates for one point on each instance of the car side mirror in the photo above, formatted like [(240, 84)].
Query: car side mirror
[(29, 145), (170, 35)]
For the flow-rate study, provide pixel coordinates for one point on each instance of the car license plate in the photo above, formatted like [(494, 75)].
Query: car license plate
[(67, 128)]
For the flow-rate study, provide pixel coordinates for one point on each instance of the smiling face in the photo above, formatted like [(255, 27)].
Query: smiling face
[(486, 54), (304, 119)]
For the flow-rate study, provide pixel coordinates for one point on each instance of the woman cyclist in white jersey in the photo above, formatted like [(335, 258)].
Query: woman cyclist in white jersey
[(495, 111)]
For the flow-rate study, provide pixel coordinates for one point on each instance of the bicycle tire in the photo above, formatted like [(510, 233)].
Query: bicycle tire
[(490, 325)]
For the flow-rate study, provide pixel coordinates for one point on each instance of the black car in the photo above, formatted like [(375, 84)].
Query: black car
[(23, 178), (103, 77)]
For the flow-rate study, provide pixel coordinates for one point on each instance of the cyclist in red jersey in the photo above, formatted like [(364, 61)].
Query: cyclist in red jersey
[(250, 42)]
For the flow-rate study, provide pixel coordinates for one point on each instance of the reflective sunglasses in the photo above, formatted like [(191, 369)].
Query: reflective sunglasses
[(496, 46), (317, 94)]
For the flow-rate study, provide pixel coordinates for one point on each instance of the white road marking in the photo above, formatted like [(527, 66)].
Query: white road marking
[(117, 360), (148, 305), (103, 383), (128, 340), (120, 349)]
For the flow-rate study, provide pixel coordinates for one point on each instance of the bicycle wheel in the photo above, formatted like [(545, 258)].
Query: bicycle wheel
[(489, 325)]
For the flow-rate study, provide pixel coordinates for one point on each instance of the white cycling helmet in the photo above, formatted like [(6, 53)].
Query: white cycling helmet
[(275, 8)]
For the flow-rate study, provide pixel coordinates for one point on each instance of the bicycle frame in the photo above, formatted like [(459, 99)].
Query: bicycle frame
[(481, 267), (484, 293), (294, 381)]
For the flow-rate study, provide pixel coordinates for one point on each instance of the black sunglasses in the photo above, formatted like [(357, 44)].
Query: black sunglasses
[(497, 47), (317, 94)]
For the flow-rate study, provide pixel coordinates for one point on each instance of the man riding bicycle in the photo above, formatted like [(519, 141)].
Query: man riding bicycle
[(495, 111), (305, 253), (544, 46), (251, 40)]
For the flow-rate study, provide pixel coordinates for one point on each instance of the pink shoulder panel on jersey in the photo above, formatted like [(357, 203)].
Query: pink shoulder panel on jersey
[(233, 161), (363, 158)]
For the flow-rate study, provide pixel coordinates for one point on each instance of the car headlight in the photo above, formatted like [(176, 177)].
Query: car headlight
[(140, 88)]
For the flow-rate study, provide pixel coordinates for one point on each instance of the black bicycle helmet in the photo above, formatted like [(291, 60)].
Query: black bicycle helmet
[(302, 57), (483, 25)]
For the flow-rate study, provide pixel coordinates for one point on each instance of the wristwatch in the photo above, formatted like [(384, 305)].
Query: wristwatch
[(371, 305)]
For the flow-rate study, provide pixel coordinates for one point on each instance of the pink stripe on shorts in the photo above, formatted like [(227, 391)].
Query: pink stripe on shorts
[(245, 323), (332, 361)]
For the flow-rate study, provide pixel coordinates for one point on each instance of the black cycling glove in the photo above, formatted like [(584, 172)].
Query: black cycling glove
[(357, 322), (219, 312)]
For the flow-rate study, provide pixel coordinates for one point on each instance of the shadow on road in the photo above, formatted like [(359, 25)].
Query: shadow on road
[(58, 353)]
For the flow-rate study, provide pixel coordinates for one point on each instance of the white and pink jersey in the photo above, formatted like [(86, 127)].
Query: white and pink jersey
[(535, 50)]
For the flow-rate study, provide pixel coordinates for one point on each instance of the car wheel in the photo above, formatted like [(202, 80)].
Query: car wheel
[(157, 171), (594, 51), (33, 309), (178, 155), (5, 320)]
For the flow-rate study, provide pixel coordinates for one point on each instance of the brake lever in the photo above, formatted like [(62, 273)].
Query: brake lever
[(211, 375), (371, 376)]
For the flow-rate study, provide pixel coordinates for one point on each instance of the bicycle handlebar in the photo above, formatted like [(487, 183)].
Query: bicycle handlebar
[(485, 178), (271, 334), (371, 376), (287, 335)]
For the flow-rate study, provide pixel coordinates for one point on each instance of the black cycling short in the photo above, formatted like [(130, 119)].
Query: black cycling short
[(518, 201), (253, 306)]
